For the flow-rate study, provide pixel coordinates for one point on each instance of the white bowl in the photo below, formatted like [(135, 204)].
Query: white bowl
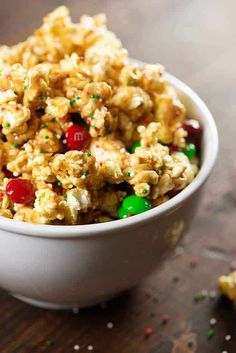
[(61, 267)]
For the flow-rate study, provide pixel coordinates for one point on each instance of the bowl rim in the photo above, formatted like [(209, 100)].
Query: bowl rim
[(99, 229)]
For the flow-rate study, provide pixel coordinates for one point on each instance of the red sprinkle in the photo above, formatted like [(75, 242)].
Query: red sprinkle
[(20, 191), (148, 331), (165, 319)]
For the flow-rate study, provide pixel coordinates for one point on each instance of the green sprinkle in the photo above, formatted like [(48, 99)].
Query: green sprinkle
[(25, 87), (175, 277), (46, 137), (95, 96), (42, 98), (65, 196), (15, 92), (44, 126), (8, 125), (43, 151), (135, 145), (92, 114), (59, 183), (74, 99), (49, 343), (88, 154), (190, 343), (198, 296), (16, 145), (85, 174), (128, 174), (210, 333), (145, 191)]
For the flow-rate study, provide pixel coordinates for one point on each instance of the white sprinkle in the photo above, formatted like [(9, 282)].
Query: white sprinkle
[(227, 338), (179, 250), (122, 150), (58, 136), (75, 310), (212, 294), (83, 177), (225, 352), (64, 141), (70, 124), (110, 325), (90, 348), (16, 174), (212, 321), (76, 347), (204, 292)]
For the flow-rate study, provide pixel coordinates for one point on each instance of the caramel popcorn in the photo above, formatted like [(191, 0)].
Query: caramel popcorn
[(82, 128)]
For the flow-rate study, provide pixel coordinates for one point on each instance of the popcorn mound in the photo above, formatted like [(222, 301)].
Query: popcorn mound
[(72, 108)]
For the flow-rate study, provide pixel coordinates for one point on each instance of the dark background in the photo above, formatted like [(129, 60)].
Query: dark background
[(194, 40)]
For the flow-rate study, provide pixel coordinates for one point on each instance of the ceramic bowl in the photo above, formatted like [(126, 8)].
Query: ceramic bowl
[(61, 267)]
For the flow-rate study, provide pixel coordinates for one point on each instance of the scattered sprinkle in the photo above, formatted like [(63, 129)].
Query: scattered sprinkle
[(95, 96), (145, 191), (212, 294), (64, 141), (210, 333), (90, 348), (49, 343), (179, 250), (165, 319), (8, 125), (74, 99), (190, 343), (175, 277), (65, 196), (44, 126), (110, 325), (59, 183), (148, 331), (46, 137), (156, 298), (75, 310), (212, 321), (92, 114), (228, 338), (16, 145), (85, 174), (15, 92), (88, 154), (128, 174), (25, 87), (76, 347), (42, 98), (43, 151)]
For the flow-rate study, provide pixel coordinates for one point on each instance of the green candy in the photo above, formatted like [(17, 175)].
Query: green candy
[(135, 145), (134, 204), (122, 213), (191, 151)]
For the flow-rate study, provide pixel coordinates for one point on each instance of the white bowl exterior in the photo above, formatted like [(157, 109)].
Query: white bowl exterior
[(87, 268)]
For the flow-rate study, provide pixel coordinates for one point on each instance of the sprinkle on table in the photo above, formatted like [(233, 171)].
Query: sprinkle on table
[(148, 331), (165, 319), (210, 333), (90, 348), (76, 347), (212, 321), (49, 343), (110, 325), (228, 338)]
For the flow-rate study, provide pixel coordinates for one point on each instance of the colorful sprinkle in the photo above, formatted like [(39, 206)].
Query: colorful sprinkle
[(148, 331), (90, 348), (16, 145), (59, 183), (110, 325), (74, 99), (65, 196), (95, 96), (210, 333), (76, 347)]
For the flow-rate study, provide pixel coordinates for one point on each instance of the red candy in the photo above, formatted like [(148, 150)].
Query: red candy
[(193, 129), (20, 191), (77, 138)]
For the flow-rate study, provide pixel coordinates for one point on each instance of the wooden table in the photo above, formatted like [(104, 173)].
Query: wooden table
[(195, 39)]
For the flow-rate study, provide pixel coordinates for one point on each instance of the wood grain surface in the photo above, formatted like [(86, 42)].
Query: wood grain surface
[(195, 40)]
